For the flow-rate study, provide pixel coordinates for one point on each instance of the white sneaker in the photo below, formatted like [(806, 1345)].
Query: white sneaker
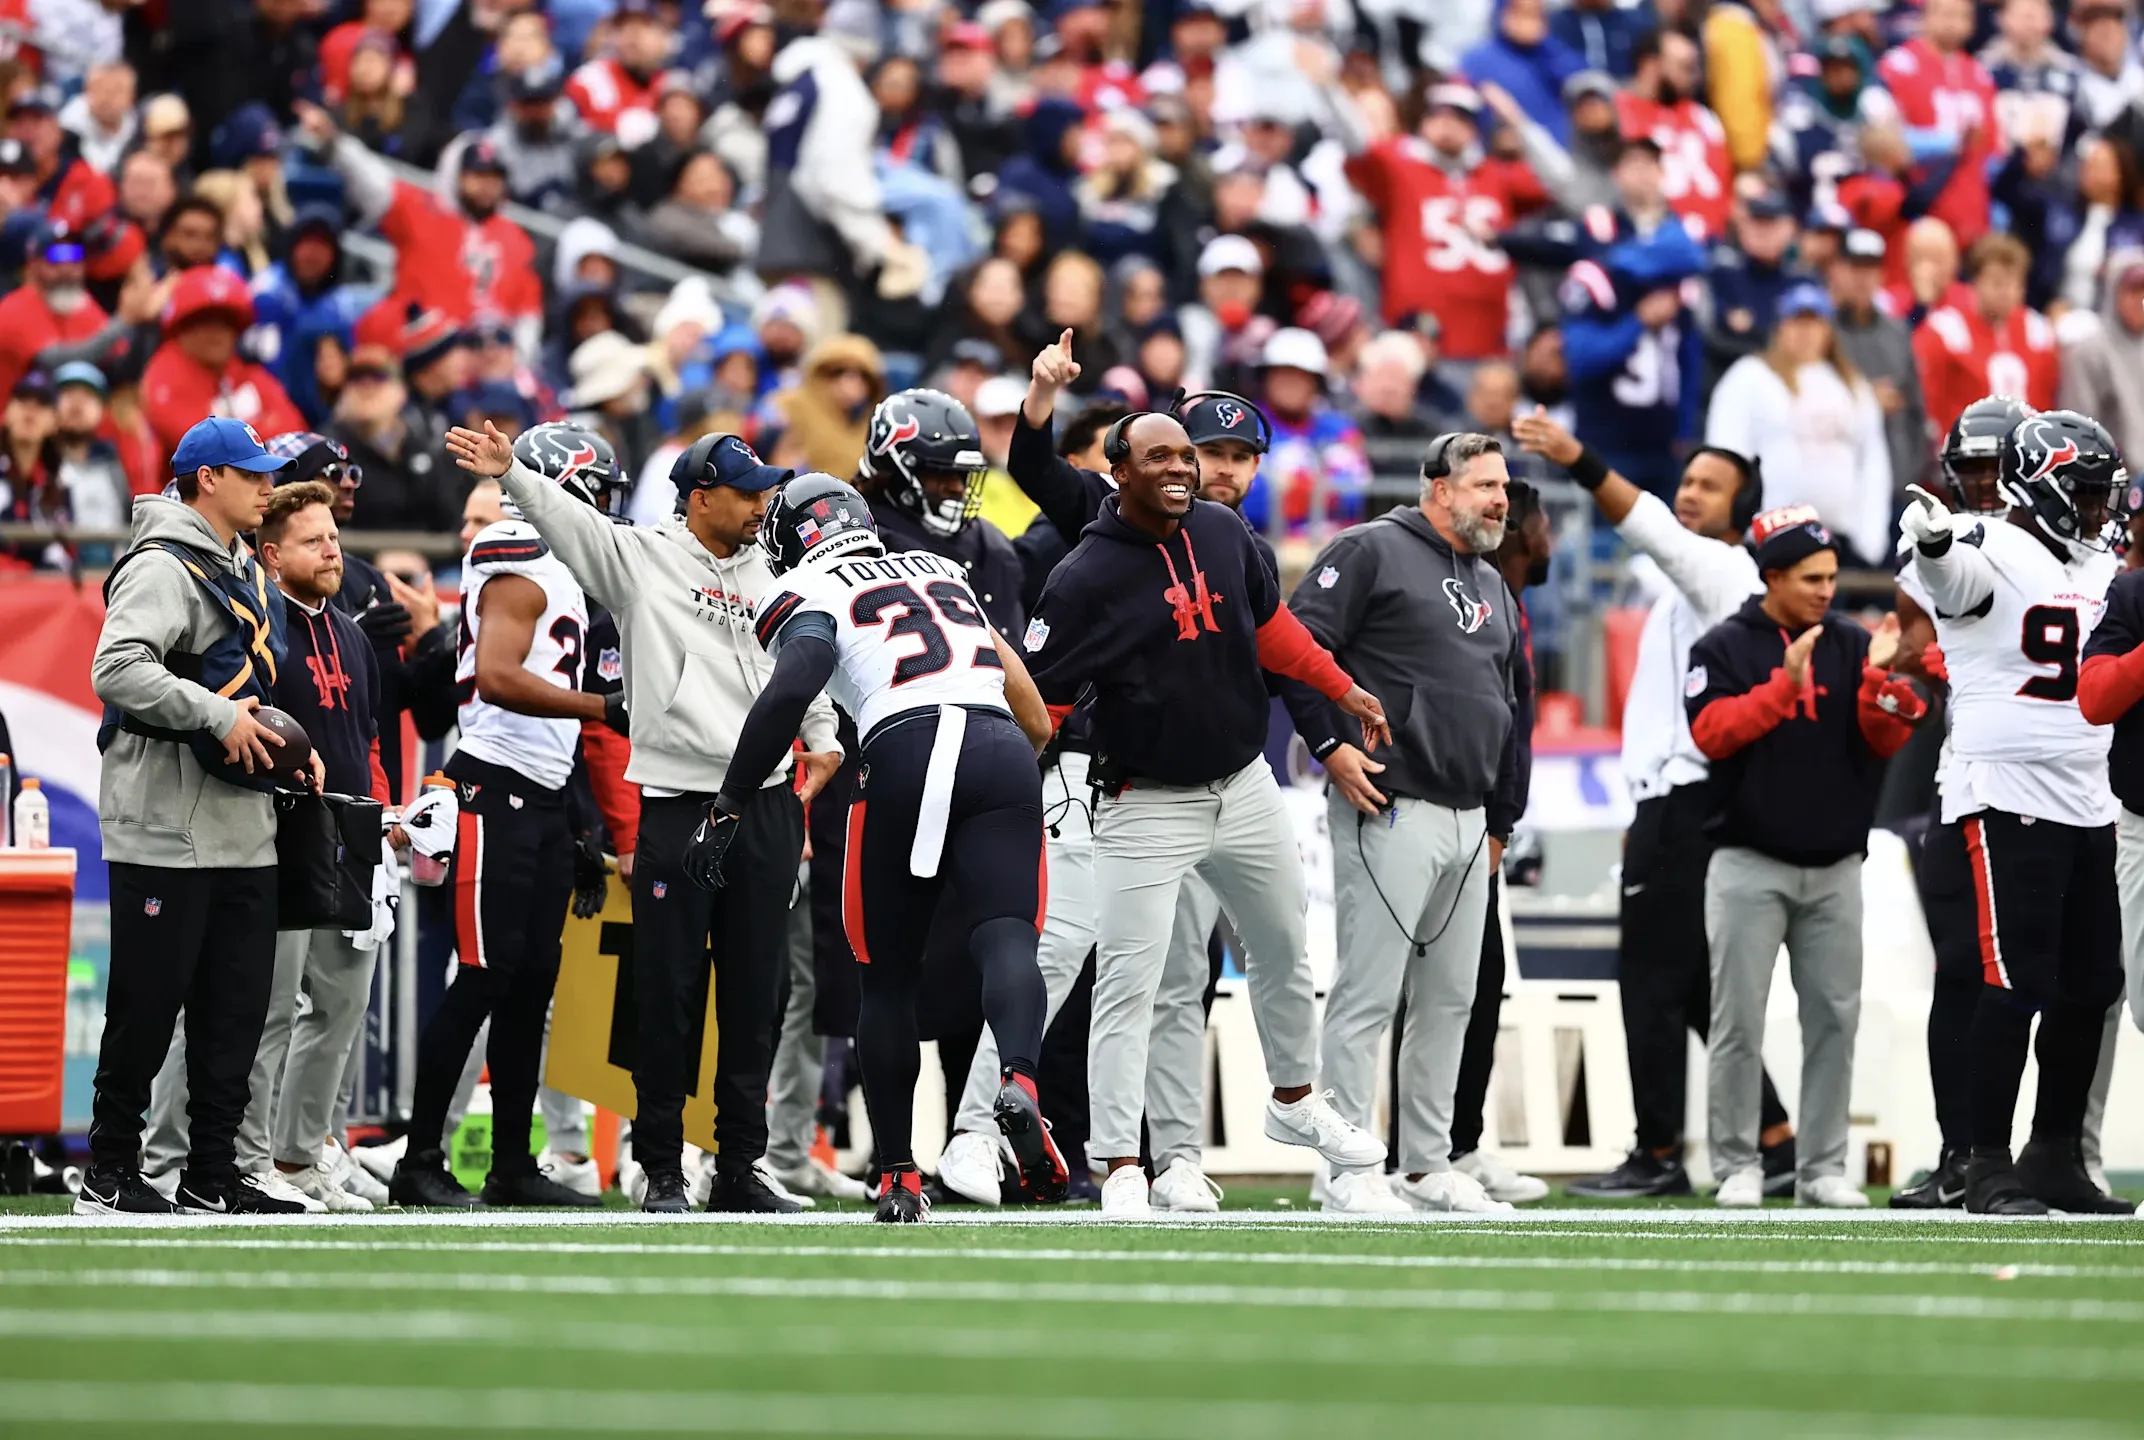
[(276, 1187), (353, 1177), (318, 1182), (1743, 1190), (166, 1184), (1312, 1121), (1186, 1189), (1452, 1191), (765, 1172), (700, 1174), (632, 1182), (969, 1167), (1831, 1192), (1500, 1180), (813, 1178), (1124, 1195), (580, 1176), (1362, 1192), (1321, 1192), (379, 1161)]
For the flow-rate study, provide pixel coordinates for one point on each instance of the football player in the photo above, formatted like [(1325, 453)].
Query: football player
[(948, 791), (2027, 779)]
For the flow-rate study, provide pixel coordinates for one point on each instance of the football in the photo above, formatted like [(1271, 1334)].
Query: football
[(291, 763)]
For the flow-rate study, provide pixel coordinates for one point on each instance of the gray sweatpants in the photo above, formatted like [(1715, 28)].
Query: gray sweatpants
[(1410, 898), (799, 1070), (1753, 905), (1176, 1049), (1234, 832)]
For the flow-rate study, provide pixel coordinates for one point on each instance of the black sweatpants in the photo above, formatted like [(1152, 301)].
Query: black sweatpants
[(202, 941), (511, 879), (2049, 921), (1943, 875), (1663, 963), (682, 935), (992, 855), (1477, 1057)]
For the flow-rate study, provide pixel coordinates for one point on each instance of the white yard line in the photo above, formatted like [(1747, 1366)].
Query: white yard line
[(1013, 1254), (1764, 1305)]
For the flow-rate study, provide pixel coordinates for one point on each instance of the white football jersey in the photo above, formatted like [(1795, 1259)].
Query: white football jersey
[(2018, 743), (907, 631), (538, 748)]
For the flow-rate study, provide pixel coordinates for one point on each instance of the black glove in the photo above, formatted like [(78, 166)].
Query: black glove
[(704, 852), (614, 713), (386, 626), (591, 879)]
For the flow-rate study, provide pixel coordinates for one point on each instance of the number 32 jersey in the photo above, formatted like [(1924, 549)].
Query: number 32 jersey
[(907, 633), (538, 748), (2018, 742)]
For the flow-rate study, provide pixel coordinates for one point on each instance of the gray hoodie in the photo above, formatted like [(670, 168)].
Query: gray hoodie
[(155, 804), (2103, 373)]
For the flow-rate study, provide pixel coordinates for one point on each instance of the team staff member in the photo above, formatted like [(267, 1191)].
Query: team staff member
[(1663, 963), (1165, 609), (2109, 684), (682, 594), (1414, 601), (186, 820), (1789, 700)]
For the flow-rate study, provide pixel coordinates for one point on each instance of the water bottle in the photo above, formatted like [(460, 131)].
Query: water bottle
[(430, 869), (33, 817), (7, 788)]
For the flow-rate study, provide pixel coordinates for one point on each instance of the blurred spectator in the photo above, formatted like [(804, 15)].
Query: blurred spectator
[(1544, 378), (1385, 407), (409, 483), (985, 309), (198, 369), (1523, 58), (828, 411), (374, 106), (1072, 300), (1443, 204), (1946, 99), (985, 132), (1930, 273), (615, 92), (1120, 198), (1744, 280), (1316, 474), (2036, 81), (245, 239), (1159, 356), (67, 185), (679, 116), (1881, 348), (192, 234), (101, 119), (1991, 344), (697, 221), (740, 96), (1661, 104), (51, 306), (1577, 174), (377, 22), (1224, 333), (251, 142), (1810, 418), (534, 137), (302, 298), (2109, 80), (910, 132), (1011, 26), (1823, 232), (1814, 139), (609, 395), (523, 45), (1602, 33), (996, 408), (226, 55), (88, 468), (1435, 391), (30, 488), (603, 180), (435, 367), (146, 191), (787, 324), (1492, 401), (167, 132), (2103, 372), (1044, 172), (970, 364), (1743, 52)]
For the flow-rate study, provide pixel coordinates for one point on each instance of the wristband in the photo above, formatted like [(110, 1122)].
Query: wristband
[(1589, 470)]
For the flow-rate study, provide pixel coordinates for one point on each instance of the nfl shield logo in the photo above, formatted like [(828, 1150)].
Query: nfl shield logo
[(1328, 577), (659, 889), (152, 907)]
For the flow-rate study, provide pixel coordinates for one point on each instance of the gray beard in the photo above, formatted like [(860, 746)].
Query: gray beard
[(1483, 536)]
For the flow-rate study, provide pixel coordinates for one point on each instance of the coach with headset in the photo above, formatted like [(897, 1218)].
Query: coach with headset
[(1413, 604)]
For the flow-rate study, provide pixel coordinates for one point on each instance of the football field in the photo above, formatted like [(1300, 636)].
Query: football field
[(1257, 1323)]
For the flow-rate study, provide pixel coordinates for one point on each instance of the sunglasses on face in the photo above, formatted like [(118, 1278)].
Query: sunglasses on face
[(370, 375), (341, 472)]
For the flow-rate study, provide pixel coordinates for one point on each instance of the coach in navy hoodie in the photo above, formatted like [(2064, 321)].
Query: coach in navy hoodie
[(1794, 706)]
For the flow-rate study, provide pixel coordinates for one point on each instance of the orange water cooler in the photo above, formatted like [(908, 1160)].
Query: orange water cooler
[(36, 929)]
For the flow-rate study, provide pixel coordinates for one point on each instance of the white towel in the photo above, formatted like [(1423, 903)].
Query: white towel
[(937, 807), (431, 821), (386, 895)]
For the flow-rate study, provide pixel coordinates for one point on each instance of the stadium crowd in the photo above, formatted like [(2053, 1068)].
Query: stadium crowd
[(1803, 234)]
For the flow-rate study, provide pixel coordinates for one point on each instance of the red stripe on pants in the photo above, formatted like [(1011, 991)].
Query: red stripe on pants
[(852, 886), (468, 871), (1042, 884), (1976, 849)]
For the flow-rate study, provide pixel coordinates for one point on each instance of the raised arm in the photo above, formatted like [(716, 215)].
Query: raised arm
[(1958, 578), (598, 552)]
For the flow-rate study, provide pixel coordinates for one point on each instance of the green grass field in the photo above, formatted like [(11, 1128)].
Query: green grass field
[(1595, 1324)]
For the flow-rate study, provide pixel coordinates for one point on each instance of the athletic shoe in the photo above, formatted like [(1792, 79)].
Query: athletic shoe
[(1124, 1195), (1082, 1189), (317, 1182), (533, 1187), (746, 1193), (1642, 1176), (1452, 1191), (1312, 1121), (665, 1193), (2053, 1172), (1185, 1189), (581, 1175), (773, 1182), (1500, 1180), (422, 1181), (1321, 1184), (281, 1187), (1034, 1153), (1779, 1166), (815, 1178), (353, 1177), (633, 1180), (700, 1174), (1831, 1192), (1743, 1190), (968, 1168), (119, 1191), (1944, 1189), (900, 1199), (1363, 1192), (1992, 1186), (235, 1197), (379, 1161)]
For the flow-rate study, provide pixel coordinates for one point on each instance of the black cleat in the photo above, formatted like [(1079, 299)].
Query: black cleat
[(2053, 1173), (1942, 1190), (120, 1190), (1778, 1169), (667, 1194), (233, 1197), (1992, 1186), (1642, 1176), (746, 1192), (1019, 1118), (423, 1182), (900, 1199), (533, 1187)]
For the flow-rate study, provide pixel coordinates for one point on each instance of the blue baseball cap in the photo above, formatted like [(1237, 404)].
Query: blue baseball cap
[(80, 372), (217, 442), (1805, 298), (725, 460)]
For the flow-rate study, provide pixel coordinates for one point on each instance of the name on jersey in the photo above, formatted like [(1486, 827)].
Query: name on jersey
[(871, 570)]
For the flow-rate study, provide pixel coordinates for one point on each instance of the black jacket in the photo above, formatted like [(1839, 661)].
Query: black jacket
[(993, 565), (415, 486), (2120, 631), (1514, 787), (329, 685), (1804, 791), (1434, 635)]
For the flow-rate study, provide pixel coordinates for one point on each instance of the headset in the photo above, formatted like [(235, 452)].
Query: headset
[(1434, 465), (1116, 445), (1749, 496)]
